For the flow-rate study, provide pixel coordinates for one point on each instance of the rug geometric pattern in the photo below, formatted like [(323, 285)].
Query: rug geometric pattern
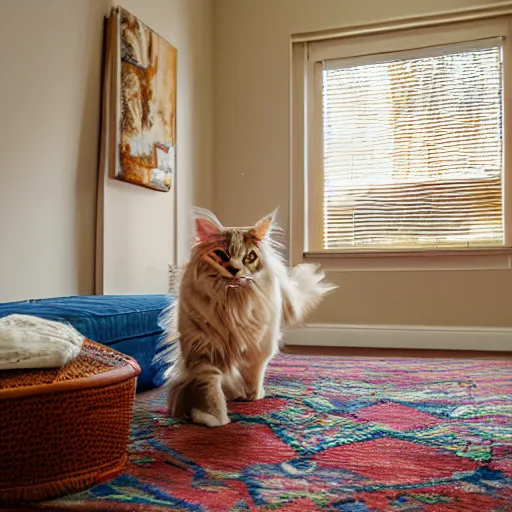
[(337, 434)]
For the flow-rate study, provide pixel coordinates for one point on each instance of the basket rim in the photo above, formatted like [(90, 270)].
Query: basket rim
[(108, 378)]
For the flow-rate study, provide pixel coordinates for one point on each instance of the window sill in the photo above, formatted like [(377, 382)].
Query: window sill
[(494, 258)]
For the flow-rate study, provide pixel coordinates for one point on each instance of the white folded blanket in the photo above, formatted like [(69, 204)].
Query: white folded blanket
[(31, 342)]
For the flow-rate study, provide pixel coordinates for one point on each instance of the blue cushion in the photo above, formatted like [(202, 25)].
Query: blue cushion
[(143, 349), (127, 323)]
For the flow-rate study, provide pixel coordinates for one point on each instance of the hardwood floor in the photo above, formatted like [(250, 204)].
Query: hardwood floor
[(394, 353)]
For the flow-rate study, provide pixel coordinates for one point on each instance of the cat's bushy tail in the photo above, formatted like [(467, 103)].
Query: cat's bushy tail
[(302, 288)]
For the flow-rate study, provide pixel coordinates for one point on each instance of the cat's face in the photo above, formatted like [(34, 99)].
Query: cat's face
[(231, 253), (237, 255)]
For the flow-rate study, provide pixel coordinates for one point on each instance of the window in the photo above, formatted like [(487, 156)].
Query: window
[(403, 135), (413, 150)]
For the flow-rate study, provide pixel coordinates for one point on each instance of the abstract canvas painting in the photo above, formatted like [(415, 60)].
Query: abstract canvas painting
[(141, 68)]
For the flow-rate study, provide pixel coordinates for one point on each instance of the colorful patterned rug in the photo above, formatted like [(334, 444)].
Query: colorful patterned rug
[(351, 435)]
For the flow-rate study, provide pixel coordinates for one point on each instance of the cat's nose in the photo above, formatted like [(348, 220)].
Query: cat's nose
[(232, 270)]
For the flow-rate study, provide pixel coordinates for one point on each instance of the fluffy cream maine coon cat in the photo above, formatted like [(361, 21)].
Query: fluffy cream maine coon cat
[(235, 297)]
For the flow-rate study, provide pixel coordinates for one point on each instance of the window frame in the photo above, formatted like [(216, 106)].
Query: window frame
[(306, 65)]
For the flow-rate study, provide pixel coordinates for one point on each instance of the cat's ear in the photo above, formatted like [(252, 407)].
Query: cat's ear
[(206, 224), (263, 227)]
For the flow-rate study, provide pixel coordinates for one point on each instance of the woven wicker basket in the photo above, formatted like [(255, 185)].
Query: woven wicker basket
[(64, 430)]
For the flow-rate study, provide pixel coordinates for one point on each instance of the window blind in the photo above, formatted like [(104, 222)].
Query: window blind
[(412, 151)]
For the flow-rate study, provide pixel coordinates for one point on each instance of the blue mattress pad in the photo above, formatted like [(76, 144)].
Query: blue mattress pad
[(127, 323)]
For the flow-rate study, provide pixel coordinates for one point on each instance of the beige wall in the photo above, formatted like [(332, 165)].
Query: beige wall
[(251, 162), (49, 117)]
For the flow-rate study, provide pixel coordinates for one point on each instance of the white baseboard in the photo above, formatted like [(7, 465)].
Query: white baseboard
[(401, 336)]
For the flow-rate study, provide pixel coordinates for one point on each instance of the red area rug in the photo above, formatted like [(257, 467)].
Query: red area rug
[(352, 435)]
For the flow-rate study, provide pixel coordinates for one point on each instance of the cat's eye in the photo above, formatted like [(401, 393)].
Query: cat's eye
[(251, 257), (221, 254)]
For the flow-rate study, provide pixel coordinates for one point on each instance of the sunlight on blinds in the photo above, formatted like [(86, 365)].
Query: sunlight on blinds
[(413, 152)]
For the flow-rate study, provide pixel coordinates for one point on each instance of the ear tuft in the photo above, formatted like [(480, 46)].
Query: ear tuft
[(207, 224), (264, 226)]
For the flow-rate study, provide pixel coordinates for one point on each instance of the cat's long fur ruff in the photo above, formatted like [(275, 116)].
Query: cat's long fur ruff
[(230, 329)]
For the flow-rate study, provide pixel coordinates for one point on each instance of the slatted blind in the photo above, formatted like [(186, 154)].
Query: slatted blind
[(413, 151)]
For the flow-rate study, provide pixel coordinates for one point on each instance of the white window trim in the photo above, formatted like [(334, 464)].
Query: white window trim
[(306, 117)]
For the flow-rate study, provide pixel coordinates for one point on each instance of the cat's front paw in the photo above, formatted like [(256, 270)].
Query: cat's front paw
[(261, 393), (205, 418), (256, 394)]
